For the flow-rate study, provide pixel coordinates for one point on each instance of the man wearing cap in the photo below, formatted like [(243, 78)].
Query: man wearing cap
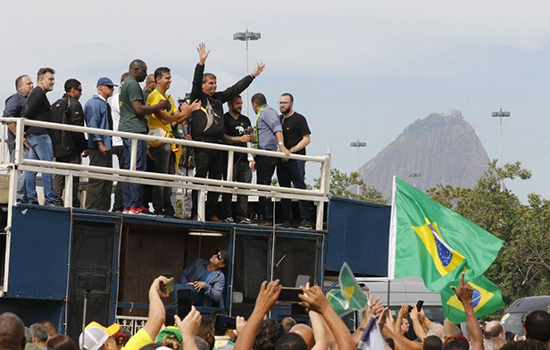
[(207, 278), (98, 336), (98, 115)]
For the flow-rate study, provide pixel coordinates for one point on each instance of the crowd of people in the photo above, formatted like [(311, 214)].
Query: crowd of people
[(325, 329), (153, 111)]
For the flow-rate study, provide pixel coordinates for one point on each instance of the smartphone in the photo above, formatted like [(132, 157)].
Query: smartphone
[(302, 280), (419, 305), (297, 309), (225, 322), (410, 308), (290, 295), (167, 288), (185, 301)]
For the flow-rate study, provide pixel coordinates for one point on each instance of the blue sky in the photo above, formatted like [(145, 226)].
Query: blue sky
[(357, 69)]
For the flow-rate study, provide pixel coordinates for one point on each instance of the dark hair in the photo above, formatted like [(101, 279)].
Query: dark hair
[(259, 99), (208, 76), (510, 336), (524, 345), (43, 71), (455, 344), (494, 331), (537, 326), (269, 333), (230, 102), (432, 342), (289, 95), (124, 76), (390, 343), (160, 71), (291, 341), (62, 342), (19, 80), (71, 84), (136, 64)]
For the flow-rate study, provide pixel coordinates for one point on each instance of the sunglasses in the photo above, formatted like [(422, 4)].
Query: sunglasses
[(219, 256)]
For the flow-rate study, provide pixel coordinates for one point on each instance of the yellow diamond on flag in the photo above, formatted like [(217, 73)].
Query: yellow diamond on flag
[(348, 291), (480, 297)]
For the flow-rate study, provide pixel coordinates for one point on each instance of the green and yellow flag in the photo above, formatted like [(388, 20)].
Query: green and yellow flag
[(433, 242), (350, 296), (486, 299)]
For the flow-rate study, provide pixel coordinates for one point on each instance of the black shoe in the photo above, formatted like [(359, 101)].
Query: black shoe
[(285, 224), (306, 225)]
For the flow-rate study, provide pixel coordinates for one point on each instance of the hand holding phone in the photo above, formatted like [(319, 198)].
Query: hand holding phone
[(168, 287), (290, 295)]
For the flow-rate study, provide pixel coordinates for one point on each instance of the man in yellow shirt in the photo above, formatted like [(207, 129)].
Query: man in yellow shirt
[(165, 155), (98, 336)]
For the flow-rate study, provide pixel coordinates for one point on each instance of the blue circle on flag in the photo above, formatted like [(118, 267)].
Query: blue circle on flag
[(445, 255), (476, 297)]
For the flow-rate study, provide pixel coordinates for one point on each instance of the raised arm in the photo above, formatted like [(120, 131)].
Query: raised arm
[(464, 294), (155, 319), (399, 320), (314, 299), (417, 325), (266, 300), (189, 327), (196, 90), (242, 84), (319, 331)]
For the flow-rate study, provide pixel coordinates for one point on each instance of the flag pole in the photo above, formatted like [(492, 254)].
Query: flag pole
[(392, 240)]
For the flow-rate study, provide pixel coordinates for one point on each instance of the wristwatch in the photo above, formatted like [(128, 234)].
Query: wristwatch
[(280, 143)]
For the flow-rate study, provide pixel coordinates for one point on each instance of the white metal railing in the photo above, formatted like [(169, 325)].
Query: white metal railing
[(148, 178), (131, 323)]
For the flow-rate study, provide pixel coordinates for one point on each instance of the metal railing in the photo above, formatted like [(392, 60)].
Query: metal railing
[(157, 179)]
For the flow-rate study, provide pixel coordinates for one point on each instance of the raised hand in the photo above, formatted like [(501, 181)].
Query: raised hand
[(203, 53), (259, 69), (314, 299), (465, 292), (267, 298), (189, 326)]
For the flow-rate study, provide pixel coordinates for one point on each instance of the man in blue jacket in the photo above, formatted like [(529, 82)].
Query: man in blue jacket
[(207, 278), (97, 113)]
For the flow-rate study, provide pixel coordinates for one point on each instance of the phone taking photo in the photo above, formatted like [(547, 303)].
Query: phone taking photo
[(167, 288), (225, 322), (290, 295)]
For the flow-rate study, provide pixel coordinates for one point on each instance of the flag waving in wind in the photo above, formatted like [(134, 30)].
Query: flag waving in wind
[(433, 242), (350, 295)]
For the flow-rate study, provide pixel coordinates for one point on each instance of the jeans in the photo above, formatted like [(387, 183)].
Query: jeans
[(59, 181), (40, 149), (132, 194), (241, 173), (21, 190), (293, 172), (164, 160), (208, 162), (119, 152), (265, 167)]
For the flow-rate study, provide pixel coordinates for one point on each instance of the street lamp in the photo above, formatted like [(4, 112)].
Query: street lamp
[(414, 175), (246, 36), (501, 114), (358, 145)]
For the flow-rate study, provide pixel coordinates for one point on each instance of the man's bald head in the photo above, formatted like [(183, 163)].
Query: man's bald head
[(494, 329), (12, 332), (305, 332)]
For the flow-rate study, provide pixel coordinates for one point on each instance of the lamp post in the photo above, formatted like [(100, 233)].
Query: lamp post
[(358, 145), (246, 36), (414, 175), (501, 114)]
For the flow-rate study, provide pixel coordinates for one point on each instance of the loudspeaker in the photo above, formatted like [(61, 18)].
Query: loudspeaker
[(91, 269)]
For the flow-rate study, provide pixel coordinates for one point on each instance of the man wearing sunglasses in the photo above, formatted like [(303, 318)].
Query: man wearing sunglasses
[(207, 278), (68, 147)]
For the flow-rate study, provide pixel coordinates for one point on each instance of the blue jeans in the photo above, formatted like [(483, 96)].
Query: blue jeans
[(293, 171), (132, 194), (40, 149), (21, 190)]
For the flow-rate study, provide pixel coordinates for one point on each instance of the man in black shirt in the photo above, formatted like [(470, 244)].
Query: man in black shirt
[(68, 147), (237, 133), (296, 137), (38, 140), (207, 125)]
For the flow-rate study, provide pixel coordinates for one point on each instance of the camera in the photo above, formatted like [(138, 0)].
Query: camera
[(248, 130)]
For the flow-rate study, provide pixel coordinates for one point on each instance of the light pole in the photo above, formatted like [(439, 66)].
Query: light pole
[(247, 36), (358, 145), (501, 114), (414, 175)]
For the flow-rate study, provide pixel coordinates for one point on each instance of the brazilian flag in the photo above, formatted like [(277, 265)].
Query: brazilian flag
[(350, 296), (431, 241), (486, 299)]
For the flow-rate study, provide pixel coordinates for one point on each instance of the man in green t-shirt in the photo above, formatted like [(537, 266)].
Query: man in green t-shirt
[(132, 119)]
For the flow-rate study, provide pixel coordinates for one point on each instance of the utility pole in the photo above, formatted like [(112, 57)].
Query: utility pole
[(246, 36), (501, 114)]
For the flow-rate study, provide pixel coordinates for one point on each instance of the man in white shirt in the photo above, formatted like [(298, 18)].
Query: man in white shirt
[(118, 147)]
